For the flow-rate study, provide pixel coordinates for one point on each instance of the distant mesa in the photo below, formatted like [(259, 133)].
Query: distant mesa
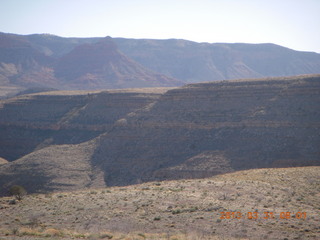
[(42, 60), (36, 90), (86, 65), (200, 62), (151, 110), (22, 65)]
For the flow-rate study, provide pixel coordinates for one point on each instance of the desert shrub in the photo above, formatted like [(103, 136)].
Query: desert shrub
[(192, 209), (105, 236), (142, 235), (51, 232), (18, 191), (33, 222), (177, 211), (28, 232), (15, 231), (12, 202)]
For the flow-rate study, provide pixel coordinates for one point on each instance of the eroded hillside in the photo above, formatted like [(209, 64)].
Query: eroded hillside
[(209, 128), (75, 141), (29, 62), (49, 138), (48, 61), (31, 122)]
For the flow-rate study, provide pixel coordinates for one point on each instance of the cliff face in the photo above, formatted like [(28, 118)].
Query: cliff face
[(125, 137)]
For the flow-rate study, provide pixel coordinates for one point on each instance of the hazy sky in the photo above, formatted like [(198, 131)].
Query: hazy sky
[(291, 23)]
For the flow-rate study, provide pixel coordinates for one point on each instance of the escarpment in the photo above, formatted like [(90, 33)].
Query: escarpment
[(251, 123), (125, 137), (31, 122)]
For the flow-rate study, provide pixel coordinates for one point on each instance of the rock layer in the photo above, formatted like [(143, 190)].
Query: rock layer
[(254, 123), (131, 136), (31, 122)]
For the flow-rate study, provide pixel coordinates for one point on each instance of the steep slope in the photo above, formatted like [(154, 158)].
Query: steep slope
[(193, 62), (53, 62), (101, 65), (209, 128), (197, 62), (54, 168), (180, 59), (50, 133), (273, 60), (34, 121), (55, 46), (195, 131), (22, 65)]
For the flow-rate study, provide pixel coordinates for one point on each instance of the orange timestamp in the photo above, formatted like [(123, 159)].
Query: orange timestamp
[(263, 215)]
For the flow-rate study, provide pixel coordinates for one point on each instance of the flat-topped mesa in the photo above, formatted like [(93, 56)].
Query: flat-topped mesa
[(28, 61), (273, 102)]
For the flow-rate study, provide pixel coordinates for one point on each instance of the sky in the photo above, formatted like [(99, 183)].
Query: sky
[(291, 23)]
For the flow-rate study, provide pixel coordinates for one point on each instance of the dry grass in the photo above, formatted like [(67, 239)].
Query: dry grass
[(66, 234), (159, 90), (283, 78), (184, 209)]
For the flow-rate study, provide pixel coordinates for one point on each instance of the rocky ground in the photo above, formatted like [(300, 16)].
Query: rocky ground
[(251, 204)]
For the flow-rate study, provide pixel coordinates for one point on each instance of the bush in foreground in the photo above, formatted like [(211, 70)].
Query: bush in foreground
[(18, 191)]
